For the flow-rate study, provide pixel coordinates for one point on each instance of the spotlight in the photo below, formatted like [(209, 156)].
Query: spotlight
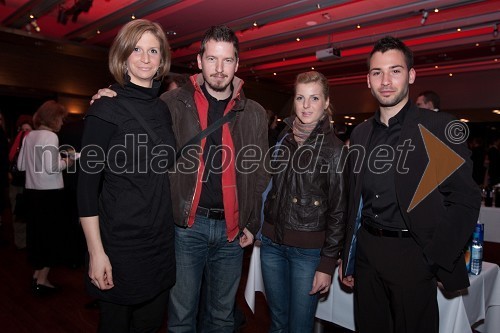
[(425, 14)]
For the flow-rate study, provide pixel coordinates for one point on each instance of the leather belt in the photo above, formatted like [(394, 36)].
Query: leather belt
[(386, 233), (213, 213)]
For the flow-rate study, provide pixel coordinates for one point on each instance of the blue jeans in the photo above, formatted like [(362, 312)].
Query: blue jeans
[(203, 253), (288, 274)]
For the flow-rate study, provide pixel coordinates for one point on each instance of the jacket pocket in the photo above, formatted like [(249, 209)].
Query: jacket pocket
[(306, 212)]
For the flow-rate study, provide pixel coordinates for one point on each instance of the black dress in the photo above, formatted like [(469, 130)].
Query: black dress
[(130, 192)]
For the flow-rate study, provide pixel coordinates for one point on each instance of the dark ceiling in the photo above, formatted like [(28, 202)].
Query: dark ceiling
[(280, 38), (270, 49)]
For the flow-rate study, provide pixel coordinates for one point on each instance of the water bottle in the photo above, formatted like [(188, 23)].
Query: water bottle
[(477, 250)]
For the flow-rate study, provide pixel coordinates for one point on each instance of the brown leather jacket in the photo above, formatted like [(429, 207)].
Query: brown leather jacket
[(248, 132), (309, 192)]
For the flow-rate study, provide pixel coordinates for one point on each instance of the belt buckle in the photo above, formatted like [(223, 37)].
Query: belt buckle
[(218, 214), (202, 211)]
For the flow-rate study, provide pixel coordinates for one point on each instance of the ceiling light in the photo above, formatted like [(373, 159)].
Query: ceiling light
[(297, 39), (464, 120), (255, 24), (352, 118), (425, 14), (477, 44), (275, 74), (98, 31), (132, 17), (347, 117), (436, 10), (358, 26), (312, 68), (459, 29), (32, 16), (451, 74), (436, 67), (496, 111)]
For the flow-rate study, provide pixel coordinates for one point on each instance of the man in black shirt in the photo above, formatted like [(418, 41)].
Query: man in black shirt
[(397, 246)]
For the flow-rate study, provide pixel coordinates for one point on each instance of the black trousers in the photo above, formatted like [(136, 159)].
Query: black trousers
[(394, 288), (145, 317)]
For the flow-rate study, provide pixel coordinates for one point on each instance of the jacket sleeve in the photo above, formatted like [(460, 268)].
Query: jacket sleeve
[(462, 200), (262, 177), (336, 213)]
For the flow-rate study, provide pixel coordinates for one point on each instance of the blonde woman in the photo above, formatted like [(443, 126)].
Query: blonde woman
[(303, 228)]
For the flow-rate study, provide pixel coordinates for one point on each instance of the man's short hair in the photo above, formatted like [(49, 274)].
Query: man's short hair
[(431, 96), (391, 43), (220, 33)]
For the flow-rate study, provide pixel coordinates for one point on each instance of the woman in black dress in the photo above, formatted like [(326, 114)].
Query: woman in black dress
[(123, 187)]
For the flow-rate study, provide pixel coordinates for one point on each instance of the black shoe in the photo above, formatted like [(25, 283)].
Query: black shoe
[(41, 290)]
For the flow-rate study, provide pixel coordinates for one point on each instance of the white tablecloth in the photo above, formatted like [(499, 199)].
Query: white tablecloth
[(490, 216), (457, 313)]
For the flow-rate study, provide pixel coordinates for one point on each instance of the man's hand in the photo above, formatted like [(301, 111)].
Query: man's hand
[(103, 92), (246, 238), (347, 281)]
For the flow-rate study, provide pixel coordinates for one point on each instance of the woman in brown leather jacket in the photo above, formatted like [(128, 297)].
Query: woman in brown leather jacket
[(304, 211)]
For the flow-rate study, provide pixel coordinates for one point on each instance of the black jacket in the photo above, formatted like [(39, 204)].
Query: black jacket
[(442, 222), (309, 189)]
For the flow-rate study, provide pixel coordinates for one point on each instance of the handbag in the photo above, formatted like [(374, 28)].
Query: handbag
[(197, 138)]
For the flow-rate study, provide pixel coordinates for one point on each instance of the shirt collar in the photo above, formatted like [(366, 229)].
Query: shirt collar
[(398, 118)]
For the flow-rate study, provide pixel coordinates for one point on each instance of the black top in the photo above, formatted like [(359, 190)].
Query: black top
[(130, 192), (380, 203), (211, 192)]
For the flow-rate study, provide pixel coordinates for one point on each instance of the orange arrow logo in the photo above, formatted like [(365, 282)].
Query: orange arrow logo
[(443, 162)]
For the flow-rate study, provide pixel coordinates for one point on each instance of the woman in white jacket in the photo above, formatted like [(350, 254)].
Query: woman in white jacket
[(41, 160)]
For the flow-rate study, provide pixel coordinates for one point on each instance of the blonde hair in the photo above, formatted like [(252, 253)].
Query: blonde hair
[(126, 41), (316, 77), (48, 114)]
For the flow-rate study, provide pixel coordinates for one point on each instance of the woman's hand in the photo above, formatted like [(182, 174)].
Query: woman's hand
[(100, 271), (321, 283)]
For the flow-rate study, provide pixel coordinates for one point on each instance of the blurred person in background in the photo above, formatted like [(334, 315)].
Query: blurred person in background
[(428, 100), (24, 125), (40, 158)]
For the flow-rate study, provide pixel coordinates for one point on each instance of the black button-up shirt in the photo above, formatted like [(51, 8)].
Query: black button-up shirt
[(380, 204)]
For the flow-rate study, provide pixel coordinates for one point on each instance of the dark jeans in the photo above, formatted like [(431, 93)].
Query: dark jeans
[(203, 253)]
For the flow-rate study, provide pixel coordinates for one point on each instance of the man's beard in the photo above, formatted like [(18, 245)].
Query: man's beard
[(394, 101), (217, 88)]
